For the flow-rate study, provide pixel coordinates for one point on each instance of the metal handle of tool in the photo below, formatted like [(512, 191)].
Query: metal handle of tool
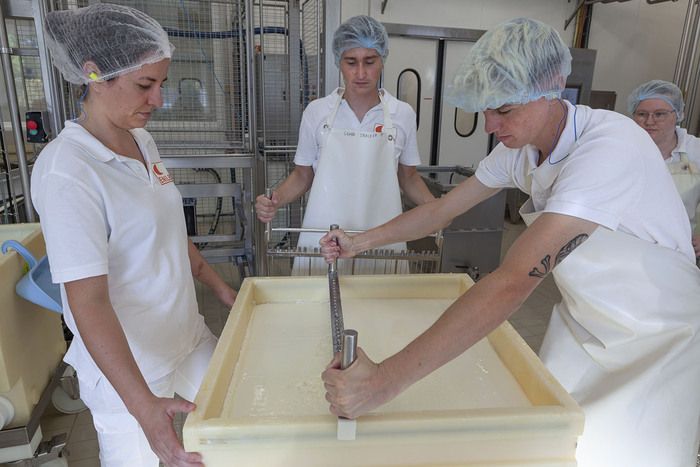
[(349, 352), (333, 267), (268, 225), (336, 307)]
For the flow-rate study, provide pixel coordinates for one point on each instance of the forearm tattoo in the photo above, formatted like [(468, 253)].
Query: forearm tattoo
[(545, 265), (566, 250)]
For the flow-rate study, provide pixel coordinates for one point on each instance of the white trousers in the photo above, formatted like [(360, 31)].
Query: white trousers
[(121, 439)]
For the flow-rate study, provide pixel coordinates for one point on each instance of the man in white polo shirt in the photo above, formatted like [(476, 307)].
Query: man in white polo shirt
[(604, 219), (357, 150)]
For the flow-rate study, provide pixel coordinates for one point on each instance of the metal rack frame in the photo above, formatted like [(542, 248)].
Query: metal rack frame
[(419, 262)]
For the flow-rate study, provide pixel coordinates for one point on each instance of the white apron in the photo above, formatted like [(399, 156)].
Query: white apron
[(355, 186), (686, 176), (624, 342)]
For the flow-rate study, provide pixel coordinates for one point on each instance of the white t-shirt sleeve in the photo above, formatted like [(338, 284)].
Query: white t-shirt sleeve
[(599, 186), (308, 148), (497, 169), (409, 152), (75, 229)]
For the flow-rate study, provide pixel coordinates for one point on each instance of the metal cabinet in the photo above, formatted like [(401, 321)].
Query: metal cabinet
[(472, 242)]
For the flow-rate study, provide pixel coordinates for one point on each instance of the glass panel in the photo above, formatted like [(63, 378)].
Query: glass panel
[(408, 90), (465, 123)]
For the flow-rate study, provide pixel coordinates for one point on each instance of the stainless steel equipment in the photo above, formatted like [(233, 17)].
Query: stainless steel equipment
[(279, 257), (349, 351), (205, 129), (336, 306), (472, 242)]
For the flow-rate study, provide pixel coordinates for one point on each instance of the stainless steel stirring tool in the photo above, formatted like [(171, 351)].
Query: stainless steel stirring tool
[(344, 341), (336, 306)]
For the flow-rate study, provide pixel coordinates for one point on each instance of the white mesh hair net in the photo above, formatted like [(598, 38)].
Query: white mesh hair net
[(360, 31), (514, 63), (658, 89), (116, 38)]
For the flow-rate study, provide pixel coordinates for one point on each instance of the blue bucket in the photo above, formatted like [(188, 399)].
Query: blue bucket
[(36, 285)]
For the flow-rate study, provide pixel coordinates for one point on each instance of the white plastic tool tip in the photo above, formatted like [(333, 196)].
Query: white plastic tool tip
[(347, 429)]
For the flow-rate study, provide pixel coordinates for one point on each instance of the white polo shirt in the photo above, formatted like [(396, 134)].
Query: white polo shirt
[(316, 113), (690, 146), (102, 213), (605, 169)]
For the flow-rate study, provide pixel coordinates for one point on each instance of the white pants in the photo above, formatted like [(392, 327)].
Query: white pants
[(122, 442)]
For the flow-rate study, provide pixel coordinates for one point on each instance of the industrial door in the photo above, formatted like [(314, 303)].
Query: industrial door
[(418, 72)]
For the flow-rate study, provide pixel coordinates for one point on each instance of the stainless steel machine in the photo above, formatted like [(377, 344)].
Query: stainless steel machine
[(472, 242)]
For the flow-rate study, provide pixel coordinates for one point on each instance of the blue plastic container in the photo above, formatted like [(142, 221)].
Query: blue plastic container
[(36, 285)]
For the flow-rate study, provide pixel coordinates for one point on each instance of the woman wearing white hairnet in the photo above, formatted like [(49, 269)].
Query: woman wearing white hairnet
[(116, 239), (657, 106), (357, 149), (624, 340)]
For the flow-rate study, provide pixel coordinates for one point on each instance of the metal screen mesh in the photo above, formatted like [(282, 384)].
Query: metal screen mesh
[(26, 69), (287, 65), (204, 98)]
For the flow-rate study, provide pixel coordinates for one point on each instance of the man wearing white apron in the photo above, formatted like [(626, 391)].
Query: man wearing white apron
[(357, 149), (604, 218), (657, 106)]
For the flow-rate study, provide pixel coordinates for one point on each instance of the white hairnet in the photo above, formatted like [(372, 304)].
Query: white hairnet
[(360, 31), (514, 63), (118, 39), (657, 89)]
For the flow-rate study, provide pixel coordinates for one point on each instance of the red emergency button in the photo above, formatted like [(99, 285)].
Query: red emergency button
[(32, 125)]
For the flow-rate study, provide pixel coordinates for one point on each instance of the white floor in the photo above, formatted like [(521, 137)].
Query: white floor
[(82, 450)]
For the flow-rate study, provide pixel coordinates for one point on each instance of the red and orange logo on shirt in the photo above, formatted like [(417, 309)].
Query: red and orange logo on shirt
[(161, 173)]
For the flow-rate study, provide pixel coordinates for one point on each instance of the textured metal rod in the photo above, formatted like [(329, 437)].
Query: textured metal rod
[(268, 225), (336, 307)]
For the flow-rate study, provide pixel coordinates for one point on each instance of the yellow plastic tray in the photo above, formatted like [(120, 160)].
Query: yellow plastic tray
[(31, 337), (261, 403)]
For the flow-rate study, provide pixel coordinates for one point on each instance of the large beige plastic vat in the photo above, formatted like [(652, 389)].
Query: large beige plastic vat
[(537, 425), (31, 337)]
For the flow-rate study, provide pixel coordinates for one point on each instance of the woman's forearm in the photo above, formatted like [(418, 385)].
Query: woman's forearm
[(204, 273)]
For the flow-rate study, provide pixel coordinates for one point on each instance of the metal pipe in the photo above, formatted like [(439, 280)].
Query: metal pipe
[(5, 52), (690, 83), (318, 48), (315, 230), (52, 88), (682, 49), (241, 57), (309, 230), (333, 267), (258, 235), (250, 77), (349, 351), (268, 228), (692, 42), (262, 73)]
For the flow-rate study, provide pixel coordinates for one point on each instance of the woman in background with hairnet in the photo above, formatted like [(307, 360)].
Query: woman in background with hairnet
[(116, 239), (657, 106), (604, 218), (357, 149)]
